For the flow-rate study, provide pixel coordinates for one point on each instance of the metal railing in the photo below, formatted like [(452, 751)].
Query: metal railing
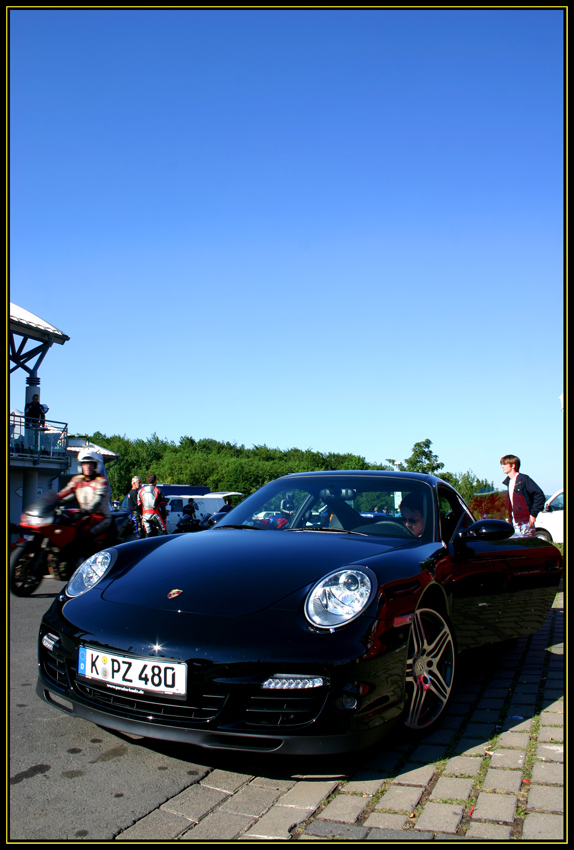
[(35, 441)]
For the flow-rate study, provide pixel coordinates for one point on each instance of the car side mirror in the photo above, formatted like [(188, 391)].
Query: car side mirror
[(487, 529)]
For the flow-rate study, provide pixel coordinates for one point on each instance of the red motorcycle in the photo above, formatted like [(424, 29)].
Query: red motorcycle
[(52, 541)]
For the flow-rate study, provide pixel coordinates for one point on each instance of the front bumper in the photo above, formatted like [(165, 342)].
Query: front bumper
[(225, 706), (285, 744)]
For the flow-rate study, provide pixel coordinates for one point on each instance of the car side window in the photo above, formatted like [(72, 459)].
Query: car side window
[(452, 514)]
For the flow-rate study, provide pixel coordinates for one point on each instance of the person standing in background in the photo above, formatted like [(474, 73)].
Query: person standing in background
[(524, 498), (133, 505), (153, 505)]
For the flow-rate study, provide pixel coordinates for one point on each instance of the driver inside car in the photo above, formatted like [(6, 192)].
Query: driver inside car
[(412, 514)]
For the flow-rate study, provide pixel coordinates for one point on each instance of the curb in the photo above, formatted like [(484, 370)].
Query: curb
[(494, 770)]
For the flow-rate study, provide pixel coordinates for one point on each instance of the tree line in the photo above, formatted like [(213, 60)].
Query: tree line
[(228, 466)]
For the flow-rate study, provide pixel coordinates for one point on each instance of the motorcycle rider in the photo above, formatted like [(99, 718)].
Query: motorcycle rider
[(92, 492), (153, 504), (189, 521), (189, 509), (226, 507)]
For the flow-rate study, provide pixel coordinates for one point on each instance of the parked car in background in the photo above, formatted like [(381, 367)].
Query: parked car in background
[(313, 631), (267, 515), (550, 522)]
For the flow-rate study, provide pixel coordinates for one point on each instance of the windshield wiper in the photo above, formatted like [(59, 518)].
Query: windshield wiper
[(335, 530), (309, 528)]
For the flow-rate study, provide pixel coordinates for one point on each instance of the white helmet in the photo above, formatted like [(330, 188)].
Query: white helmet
[(90, 456)]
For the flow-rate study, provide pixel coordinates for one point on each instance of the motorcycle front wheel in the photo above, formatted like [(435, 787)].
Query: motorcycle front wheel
[(26, 569)]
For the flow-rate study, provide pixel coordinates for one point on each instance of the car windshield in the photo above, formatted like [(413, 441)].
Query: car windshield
[(557, 504), (371, 505)]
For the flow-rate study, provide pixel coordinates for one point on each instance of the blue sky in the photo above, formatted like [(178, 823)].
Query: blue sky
[(331, 229)]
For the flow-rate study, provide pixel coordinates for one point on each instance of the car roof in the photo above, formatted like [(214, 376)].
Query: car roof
[(370, 473), (218, 495)]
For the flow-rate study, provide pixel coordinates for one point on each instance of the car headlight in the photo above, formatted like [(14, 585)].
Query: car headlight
[(338, 598), (90, 572)]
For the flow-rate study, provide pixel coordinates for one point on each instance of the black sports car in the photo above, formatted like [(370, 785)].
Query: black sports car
[(322, 610)]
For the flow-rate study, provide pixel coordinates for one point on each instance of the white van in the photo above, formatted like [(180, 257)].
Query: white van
[(205, 505), (550, 522)]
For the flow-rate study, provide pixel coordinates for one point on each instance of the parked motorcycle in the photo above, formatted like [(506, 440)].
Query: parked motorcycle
[(189, 524), (50, 542)]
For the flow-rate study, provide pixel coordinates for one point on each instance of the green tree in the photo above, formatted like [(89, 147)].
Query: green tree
[(423, 459), (467, 483), (227, 466)]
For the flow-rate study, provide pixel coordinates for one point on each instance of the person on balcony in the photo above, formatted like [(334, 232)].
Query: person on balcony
[(34, 413)]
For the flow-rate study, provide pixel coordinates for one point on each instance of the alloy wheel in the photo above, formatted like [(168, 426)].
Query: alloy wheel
[(429, 669)]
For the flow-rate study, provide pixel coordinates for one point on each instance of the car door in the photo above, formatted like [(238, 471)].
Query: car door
[(501, 588)]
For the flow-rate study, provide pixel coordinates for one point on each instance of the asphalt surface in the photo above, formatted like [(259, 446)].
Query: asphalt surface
[(494, 770)]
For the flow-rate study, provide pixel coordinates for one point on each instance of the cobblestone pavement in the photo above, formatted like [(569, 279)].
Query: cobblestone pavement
[(493, 771)]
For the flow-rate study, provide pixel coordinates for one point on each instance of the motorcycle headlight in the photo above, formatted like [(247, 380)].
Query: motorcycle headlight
[(90, 572), (35, 521), (339, 598)]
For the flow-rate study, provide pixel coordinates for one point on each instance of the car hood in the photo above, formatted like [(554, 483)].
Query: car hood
[(232, 572)]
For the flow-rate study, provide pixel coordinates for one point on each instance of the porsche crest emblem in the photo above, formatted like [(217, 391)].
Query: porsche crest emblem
[(173, 593)]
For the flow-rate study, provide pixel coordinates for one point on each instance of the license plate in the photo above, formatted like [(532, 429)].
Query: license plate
[(133, 675)]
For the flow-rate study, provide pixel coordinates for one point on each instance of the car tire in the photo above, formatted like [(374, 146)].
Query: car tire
[(543, 534), (430, 669)]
